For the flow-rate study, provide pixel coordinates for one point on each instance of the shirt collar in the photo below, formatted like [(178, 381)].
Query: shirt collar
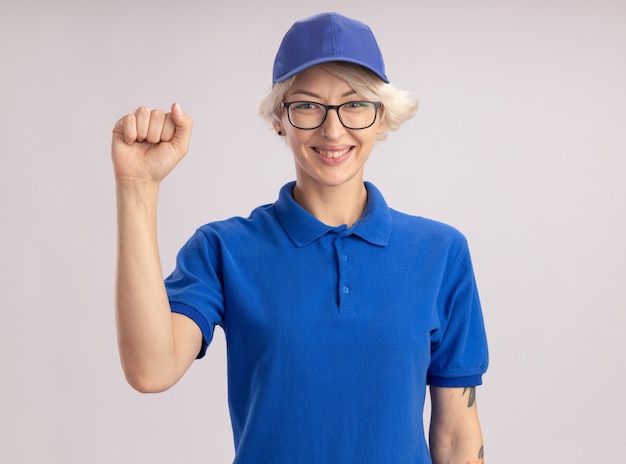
[(303, 228)]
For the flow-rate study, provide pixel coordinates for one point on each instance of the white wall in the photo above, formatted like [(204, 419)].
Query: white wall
[(519, 142)]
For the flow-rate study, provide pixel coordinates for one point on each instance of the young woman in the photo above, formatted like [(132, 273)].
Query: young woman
[(338, 310)]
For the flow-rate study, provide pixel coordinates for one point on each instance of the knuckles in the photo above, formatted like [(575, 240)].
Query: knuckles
[(157, 114), (151, 125), (142, 111)]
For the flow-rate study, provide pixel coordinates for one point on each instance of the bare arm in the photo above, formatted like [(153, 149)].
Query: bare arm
[(156, 346), (455, 435)]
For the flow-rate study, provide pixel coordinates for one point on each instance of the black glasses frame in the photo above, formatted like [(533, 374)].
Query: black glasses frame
[(377, 105)]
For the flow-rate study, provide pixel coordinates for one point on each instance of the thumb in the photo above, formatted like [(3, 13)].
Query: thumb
[(183, 124)]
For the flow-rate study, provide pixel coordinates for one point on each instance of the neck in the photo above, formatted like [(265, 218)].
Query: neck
[(333, 206)]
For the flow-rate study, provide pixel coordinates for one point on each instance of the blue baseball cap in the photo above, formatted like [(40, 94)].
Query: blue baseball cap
[(327, 37)]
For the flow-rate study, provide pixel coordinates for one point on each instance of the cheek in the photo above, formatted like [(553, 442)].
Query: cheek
[(296, 139), (368, 140), (292, 141)]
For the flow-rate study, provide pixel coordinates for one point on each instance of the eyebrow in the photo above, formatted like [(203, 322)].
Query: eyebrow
[(311, 94)]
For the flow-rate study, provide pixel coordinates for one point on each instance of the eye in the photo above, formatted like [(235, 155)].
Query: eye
[(303, 106), (357, 107), (357, 104)]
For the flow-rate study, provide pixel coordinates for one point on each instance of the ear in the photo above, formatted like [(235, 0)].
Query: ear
[(382, 125), (278, 127)]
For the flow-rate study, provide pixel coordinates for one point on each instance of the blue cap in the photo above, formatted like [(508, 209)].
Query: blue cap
[(327, 37)]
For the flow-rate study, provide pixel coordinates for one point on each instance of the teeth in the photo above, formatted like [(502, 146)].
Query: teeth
[(333, 154)]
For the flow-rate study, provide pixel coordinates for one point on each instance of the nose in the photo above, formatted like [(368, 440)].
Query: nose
[(332, 128)]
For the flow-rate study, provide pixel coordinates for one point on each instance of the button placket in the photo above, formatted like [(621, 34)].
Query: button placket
[(343, 282)]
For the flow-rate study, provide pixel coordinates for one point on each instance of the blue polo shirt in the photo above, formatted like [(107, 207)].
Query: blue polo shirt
[(333, 333)]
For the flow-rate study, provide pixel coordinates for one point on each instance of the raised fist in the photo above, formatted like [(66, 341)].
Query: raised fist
[(147, 144)]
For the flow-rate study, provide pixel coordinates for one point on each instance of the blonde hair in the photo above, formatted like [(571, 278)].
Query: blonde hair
[(398, 105)]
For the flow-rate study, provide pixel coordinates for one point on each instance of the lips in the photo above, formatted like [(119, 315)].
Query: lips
[(334, 153)]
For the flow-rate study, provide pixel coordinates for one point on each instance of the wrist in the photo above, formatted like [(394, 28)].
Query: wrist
[(136, 190)]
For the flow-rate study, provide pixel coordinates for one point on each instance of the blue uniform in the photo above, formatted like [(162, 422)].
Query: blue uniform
[(333, 333)]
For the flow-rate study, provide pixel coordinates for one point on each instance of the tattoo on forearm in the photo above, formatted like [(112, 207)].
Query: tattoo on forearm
[(471, 399), (480, 460)]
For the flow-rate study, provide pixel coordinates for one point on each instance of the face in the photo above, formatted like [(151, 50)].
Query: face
[(331, 155)]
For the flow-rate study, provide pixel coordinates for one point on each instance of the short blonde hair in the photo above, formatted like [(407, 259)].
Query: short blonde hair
[(398, 105)]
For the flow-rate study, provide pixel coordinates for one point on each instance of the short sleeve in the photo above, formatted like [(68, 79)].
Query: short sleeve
[(459, 354), (195, 288)]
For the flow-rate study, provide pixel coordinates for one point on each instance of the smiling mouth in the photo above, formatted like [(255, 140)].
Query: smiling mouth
[(333, 153)]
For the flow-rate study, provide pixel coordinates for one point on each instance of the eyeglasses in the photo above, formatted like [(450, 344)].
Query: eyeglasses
[(354, 115)]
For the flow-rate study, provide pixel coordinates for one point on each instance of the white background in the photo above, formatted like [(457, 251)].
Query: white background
[(519, 142)]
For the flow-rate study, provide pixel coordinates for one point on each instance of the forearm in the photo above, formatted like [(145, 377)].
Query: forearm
[(468, 451), (144, 321), (455, 433)]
